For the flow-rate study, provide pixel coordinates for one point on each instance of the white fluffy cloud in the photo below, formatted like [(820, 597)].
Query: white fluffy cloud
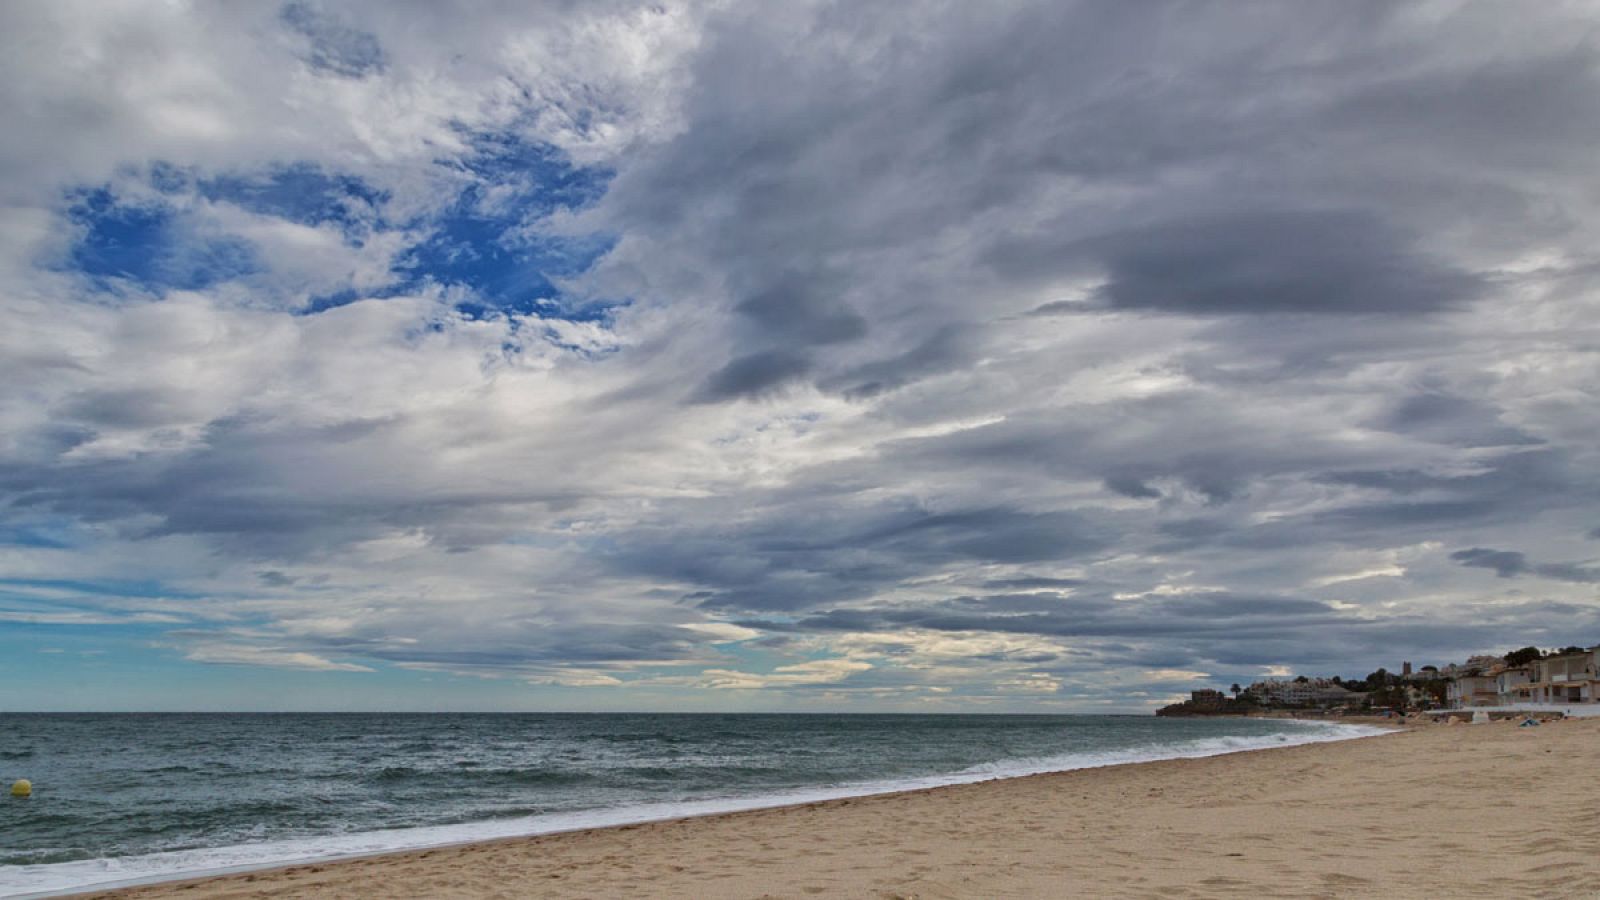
[(1060, 350)]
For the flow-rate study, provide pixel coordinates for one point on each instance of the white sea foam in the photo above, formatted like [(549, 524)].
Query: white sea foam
[(52, 879)]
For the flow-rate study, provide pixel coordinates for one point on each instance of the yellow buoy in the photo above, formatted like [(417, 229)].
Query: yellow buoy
[(22, 788)]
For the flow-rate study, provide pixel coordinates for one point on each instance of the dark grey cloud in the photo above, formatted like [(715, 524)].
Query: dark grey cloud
[(1208, 451), (1525, 113), (1025, 582), (276, 579), (1393, 482), (801, 313), (807, 555), (1505, 563), (134, 407), (1389, 508), (1130, 486), (1511, 564), (753, 375), (994, 535), (946, 350), (1250, 263), (1278, 262), (266, 492), (1452, 419), (1502, 491), (1202, 618)]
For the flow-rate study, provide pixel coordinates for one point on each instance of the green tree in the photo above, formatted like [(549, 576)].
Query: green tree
[(1523, 657), (1236, 690)]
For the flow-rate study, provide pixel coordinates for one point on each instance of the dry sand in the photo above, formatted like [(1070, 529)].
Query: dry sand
[(1441, 811)]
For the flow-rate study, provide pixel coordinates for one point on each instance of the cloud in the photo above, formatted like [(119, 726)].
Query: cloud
[(246, 655), (1038, 354), (814, 672), (1511, 564), (25, 617), (946, 350), (1175, 675), (754, 374), (576, 679), (1034, 683), (1505, 563), (334, 47), (1315, 263)]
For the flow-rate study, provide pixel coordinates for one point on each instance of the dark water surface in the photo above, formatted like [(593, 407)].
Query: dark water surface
[(141, 795)]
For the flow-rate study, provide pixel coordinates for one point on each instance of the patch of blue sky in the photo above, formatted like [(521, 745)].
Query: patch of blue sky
[(334, 300), (547, 180), (143, 589), (332, 45), (155, 243), (521, 280), (149, 245), (53, 623), (754, 658), (598, 311), (43, 536), (489, 238), (100, 668), (547, 333), (303, 194), (569, 308)]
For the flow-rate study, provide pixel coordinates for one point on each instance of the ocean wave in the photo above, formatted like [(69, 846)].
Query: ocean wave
[(475, 774), (1198, 747), (42, 879)]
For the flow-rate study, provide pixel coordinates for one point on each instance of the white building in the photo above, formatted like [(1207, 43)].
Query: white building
[(1562, 679), (1475, 665), (1511, 686), (1472, 690), (1311, 692), (1559, 680)]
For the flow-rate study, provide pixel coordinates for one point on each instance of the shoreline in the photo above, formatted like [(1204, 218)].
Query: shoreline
[(624, 819), (367, 845), (1467, 811)]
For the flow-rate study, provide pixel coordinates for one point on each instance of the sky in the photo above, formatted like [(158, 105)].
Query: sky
[(927, 357)]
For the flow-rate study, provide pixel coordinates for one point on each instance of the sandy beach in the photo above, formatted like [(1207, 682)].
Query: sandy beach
[(1440, 811)]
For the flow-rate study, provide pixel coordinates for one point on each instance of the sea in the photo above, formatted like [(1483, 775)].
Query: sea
[(129, 798)]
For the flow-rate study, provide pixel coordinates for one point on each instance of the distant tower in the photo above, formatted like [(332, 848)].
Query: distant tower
[(1405, 668)]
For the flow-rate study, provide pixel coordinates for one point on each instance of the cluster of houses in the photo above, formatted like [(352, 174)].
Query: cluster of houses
[(1564, 678), (1525, 678), (1309, 692), (1299, 693)]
